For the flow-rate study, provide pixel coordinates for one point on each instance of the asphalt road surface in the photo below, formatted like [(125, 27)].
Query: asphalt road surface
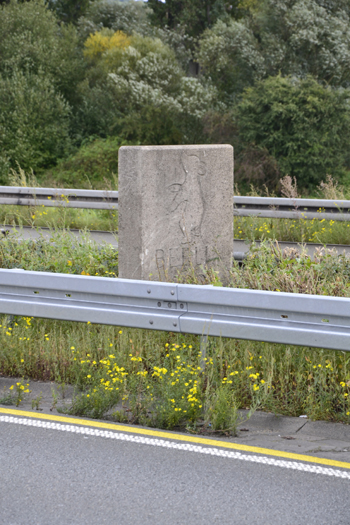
[(71, 472)]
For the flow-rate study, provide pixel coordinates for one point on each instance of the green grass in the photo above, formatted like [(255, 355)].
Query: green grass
[(98, 159), (59, 218), (63, 254), (299, 230), (247, 228)]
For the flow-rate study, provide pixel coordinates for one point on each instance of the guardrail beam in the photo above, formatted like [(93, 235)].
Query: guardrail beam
[(296, 319), (52, 197)]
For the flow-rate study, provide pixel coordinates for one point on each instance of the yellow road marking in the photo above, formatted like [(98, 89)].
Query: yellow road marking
[(176, 437)]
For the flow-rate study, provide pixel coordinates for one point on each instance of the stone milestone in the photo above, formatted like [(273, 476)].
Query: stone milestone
[(175, 210)]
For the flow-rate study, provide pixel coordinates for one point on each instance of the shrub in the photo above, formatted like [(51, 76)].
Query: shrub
[(301, 123), (32, 41), (91, 165), (34, 123), (102, 41)]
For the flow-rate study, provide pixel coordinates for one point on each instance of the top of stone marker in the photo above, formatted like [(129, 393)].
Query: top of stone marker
[(187, 146)]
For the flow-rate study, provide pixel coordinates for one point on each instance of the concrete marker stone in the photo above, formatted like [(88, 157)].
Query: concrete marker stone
[(175, 210)]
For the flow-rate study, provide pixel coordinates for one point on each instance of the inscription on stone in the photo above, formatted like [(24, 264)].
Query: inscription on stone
[(175, 209)]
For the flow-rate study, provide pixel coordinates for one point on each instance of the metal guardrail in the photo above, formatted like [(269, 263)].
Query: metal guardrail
[(268, 207), (296, 319), (93, 199), (280, 208)]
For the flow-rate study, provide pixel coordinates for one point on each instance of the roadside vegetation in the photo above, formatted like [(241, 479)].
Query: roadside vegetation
[(160, 379), (270, 78), (164, 379), (319, 231)]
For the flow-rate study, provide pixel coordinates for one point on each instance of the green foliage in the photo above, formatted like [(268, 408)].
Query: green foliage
[(222, 410), (150, 125), (28, 35), (193, 15), (34, 123), (146, 97), (16, 393), (19, 390), (321, 231), (32, 41), (98, 111), (69, 11), (290, 37), (229, 54), (95, 404), (121, 70), (162, 378), (149, 59), (304, 125), (303, 37), (64, 254), (269, 267), (60, 216), (129, 17), (144, 377), (256, 167), (91, 166)]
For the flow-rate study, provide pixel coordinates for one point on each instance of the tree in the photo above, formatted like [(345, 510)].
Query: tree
[(229, 55), (134, 17), (69, 11), (194, 15), (34, 122), (305, 126), (291, 37), (302, 37), (127, 16), (149, 97), (32, 40)]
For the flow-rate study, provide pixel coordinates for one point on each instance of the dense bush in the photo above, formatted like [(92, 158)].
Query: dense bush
[(34, 122), (303, 37), (303, 124), (229, 54), (31, 41), (128, 17), (194, 15), (93, 164), (68, 11)]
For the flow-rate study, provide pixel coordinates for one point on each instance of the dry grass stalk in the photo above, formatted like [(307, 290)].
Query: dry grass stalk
[(331, 189), (23, 179), (289, 187)]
